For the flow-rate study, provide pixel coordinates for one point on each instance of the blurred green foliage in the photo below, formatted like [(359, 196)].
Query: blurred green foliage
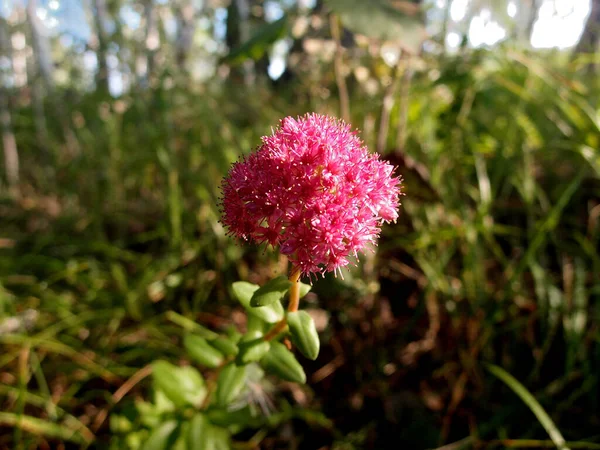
[(110, 256)]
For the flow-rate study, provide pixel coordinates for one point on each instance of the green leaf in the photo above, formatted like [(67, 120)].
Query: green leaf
[(192, 384), (166, 380), (182, 385), (202, 435), (233, 335), (197, 432), (218, 439), (252, 348), (257, 46), (532, 403), (271, 292), (162, 404), (190, 325), (161, 437), (254, 325), (120, 424), (232, 380), (243, 292), (304, 289), (202, 352), (281, 362), (381, 20), (150, 415), (237, 419), (181, 442), (304, 333), (225, 346)]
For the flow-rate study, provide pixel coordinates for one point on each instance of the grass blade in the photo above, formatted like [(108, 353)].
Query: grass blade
[(532, 403), (42, 427)]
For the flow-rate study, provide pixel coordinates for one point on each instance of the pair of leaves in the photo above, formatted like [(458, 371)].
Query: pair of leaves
[(304, 333), (270, 313), (265, 303), (209, 353), (252, 296), (230, 384), (252, 348), (272, 355), (234, 420), (281, 362), (195, 434), (212, 354), (271, 292), (203, 435), (202, 352), (183, 386), (162, 437)]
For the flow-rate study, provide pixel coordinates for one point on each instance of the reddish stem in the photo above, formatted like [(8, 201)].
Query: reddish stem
[(292, 306)]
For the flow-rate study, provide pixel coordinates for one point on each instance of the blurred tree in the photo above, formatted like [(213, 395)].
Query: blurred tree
[(258, 19), (120, 42), (238, 13), (186, 16), (534, 8), (40, 45), (100, 20), (44, 67), (590, 38), (9, 144), (41, 50), (297, 52), (151, 40)]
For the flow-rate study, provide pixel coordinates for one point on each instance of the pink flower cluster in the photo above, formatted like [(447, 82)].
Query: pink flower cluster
[(313, 189)]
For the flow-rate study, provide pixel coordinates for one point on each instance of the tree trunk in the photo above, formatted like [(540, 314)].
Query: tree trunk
[(534, 8), (42, 57), (102, 74), (405, 83), (9, 143), (590, 38), (238, 14), (445, 23), (152, 39), (40, 45), (186, 26), (45, 68), (39, 115), (338, 63), (125, 70)]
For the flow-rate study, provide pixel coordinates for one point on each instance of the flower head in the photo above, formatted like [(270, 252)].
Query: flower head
[(313, 189)]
